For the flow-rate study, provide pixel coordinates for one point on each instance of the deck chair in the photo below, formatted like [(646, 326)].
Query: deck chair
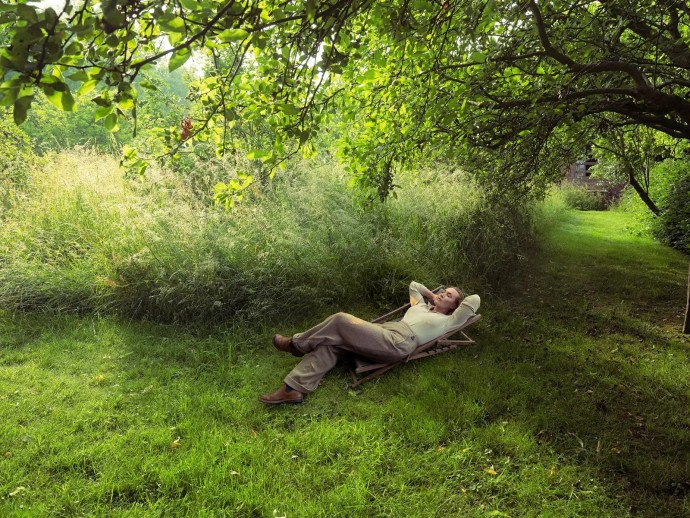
[(363, 369)]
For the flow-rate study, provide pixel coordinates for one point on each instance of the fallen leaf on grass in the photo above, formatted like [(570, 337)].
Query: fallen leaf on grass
[(553, 471), (19, 490), (491, 471), (8, 454), (440, 448), (176, 444)]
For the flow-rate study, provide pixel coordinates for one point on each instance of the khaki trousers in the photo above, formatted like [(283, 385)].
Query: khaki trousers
[(340, 334)]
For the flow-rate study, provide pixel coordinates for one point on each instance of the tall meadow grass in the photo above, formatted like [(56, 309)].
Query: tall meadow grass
[(86, 239)]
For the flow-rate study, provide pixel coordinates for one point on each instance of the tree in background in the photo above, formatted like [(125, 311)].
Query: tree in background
[(454, 78), (51, 128), (512, 89), (630, 154)]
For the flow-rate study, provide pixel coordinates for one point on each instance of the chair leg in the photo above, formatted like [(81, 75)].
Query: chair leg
[(438, 346), (379, 372)]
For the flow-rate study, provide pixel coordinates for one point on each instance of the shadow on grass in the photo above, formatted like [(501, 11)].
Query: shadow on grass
[(594, 339)]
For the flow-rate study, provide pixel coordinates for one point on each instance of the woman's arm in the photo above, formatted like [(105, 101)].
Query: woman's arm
[(467, 309), (418, 292)]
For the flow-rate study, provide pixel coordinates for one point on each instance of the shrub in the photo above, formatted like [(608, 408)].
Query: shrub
[(16, 159), (668, 189), (580, 198), (674, 223)]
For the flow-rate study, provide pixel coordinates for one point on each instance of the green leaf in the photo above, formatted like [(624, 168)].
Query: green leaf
[(80, 76), (258, 154), (175, 24), (370, 75), (478, 56), (7, 8), (87, 87), (102, 112), (304, 136), (126, 103), (289, 109), (74, 49), (148, 85), (110, 122), (8, 96), (21, 108), (112, 40), (179, 58), (174, 28), (191, 5), (112, 16), (100, 101), (26, 12), (311, 10), (58, 94), (50, 16), (229, 35)]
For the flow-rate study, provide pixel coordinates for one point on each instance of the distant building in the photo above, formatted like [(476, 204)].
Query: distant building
[(579, 174)]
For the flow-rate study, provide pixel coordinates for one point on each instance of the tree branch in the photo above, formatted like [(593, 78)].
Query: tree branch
[(603, 66)]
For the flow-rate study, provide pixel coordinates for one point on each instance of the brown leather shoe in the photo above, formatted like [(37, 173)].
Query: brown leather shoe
[(284, 343), (282, 396)]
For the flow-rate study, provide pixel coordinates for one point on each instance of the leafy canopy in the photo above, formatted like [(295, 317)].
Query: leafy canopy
[(459, 79)]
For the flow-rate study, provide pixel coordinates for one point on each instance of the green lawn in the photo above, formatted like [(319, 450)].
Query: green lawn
[(574, 403)]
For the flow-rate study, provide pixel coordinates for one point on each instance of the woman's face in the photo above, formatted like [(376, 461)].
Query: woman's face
[(447, 300)]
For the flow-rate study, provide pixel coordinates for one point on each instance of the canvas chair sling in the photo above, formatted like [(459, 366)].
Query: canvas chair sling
[(364, 369)]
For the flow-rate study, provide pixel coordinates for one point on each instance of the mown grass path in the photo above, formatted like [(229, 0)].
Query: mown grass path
[(574, 403)]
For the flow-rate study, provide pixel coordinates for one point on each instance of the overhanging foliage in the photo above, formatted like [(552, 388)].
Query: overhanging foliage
[(407, 77)]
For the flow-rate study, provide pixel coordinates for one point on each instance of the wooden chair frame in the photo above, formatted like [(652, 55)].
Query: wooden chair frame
[(369, 369)]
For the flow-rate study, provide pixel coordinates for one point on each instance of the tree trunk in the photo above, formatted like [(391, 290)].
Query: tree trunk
[(644, 196), (686, 326)]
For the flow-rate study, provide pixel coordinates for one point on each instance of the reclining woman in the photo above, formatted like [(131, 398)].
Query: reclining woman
[(340, 334)]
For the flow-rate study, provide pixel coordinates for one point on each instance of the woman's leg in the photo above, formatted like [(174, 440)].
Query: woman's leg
[(351, 334), (307, 374), (339, 334)]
